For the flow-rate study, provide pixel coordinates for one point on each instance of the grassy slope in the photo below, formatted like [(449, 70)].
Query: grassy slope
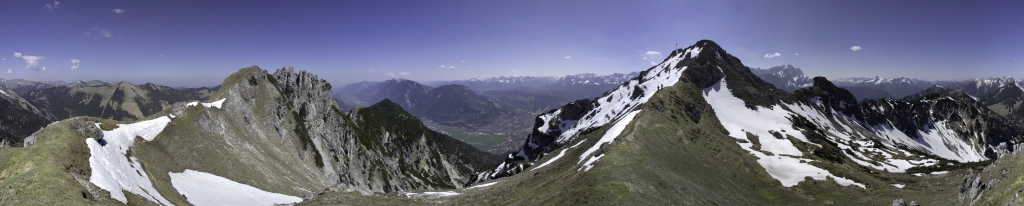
[(1010, 171), (44, 173)]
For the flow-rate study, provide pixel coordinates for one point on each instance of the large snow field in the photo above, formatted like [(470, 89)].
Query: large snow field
[(940, 141), (201, 188), (113, 172), (738, 120)]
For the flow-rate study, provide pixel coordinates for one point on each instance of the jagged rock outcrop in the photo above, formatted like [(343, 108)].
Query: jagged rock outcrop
[(284, 133)]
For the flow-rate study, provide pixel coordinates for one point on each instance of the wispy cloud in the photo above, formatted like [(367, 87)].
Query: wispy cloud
[(392, 74), (5, 59), (855, 48), (445, 67), (651, 55), (796, 54), (53, 6), (568, 57), (31, 61), (9, 70), (652, 63), (463, 61), (771, 55), (119, 11), (99, 32), (75, 63)]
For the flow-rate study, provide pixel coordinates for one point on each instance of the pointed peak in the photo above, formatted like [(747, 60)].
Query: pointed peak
[(387, 106)]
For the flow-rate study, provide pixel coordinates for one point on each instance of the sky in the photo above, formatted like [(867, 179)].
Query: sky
[(199, 43)]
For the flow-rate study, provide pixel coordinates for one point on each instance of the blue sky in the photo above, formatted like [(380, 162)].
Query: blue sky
[(198, 43)]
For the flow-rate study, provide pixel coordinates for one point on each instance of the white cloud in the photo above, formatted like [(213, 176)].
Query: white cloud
[(404, 73), (9, 70), (855, 48), (446, 67), (389, 74), (568, 57), (5, 59), (651, 55), (796, 54), (119, 11), (771, 55), (514, 70), (53, 6), (31, 61), (75, 63), (161, 55), (463, 61), (99, 32), (652, 63)]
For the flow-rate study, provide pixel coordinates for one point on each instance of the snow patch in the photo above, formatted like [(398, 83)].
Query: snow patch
[(216, 104), (202, 188), (590, 163), (431, 194), (560, 154), (483, 185), (898, 186), (738, 120), (609, 136), (113, 172)]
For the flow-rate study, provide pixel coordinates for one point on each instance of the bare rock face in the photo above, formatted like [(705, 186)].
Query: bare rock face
[(378, 149)]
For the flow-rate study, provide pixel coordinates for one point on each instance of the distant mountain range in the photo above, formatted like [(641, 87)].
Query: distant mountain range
[(578, 86), (119, 100), (790, 78)]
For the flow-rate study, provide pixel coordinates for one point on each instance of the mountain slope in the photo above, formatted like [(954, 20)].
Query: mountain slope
[(121, 100), (402, 91), (18, 119), (457, 105)]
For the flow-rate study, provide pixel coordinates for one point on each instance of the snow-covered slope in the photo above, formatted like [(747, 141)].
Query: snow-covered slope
[(113, 172), (616, 106)]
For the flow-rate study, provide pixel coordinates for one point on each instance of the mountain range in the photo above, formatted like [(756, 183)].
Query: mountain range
[(700, 128)]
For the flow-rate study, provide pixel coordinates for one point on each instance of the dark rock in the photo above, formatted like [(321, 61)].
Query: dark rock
[(898, 202)]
